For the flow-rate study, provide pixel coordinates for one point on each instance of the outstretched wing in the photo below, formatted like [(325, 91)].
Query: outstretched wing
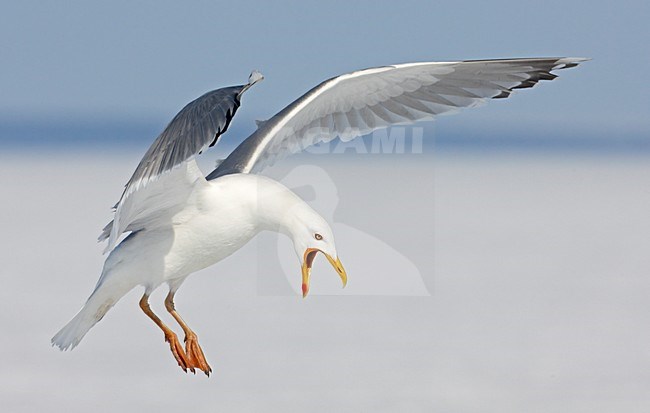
[(358, 103), (166, 174)]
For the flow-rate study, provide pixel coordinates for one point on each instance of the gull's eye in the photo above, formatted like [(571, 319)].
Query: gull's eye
[(318, 236)]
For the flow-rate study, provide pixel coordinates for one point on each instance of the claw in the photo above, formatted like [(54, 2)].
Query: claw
[(178, 352), (195, 354)]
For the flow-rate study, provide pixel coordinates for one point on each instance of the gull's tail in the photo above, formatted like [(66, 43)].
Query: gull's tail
[(106, 294)]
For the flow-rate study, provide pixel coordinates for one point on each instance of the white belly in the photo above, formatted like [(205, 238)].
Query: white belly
[(214, 225), (207, 239), (219, 217)]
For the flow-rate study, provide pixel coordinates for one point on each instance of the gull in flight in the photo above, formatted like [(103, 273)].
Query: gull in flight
[(179, 221)]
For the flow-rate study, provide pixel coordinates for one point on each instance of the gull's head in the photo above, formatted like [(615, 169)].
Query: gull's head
[(278, 209), (311, 235)]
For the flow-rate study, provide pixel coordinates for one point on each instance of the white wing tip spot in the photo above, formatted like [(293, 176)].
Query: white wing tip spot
[(255, 77)]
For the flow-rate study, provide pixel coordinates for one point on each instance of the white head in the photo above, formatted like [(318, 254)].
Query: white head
[(311, 234), (283, 211)]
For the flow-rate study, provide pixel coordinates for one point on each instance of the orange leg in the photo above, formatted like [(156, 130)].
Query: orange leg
[(170, 336), (192, 347)]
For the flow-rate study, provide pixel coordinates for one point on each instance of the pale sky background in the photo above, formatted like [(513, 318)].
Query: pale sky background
[(138, 63)]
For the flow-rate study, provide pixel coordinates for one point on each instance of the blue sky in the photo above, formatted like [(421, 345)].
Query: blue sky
[(140, 62)]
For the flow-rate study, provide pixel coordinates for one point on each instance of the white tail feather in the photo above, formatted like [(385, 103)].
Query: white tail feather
[(98, 304)]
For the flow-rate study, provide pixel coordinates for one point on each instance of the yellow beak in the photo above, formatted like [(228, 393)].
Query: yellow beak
[(308, 260)]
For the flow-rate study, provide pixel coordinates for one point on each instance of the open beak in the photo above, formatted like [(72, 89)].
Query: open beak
[(308, 260)]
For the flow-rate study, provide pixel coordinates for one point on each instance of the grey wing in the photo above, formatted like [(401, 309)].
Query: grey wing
[(196, 127), (358, 103)]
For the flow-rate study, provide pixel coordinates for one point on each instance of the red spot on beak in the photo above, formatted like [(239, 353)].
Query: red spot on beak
[(304, 289)]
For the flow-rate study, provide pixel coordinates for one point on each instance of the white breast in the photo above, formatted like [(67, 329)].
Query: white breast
[(217, 220)]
